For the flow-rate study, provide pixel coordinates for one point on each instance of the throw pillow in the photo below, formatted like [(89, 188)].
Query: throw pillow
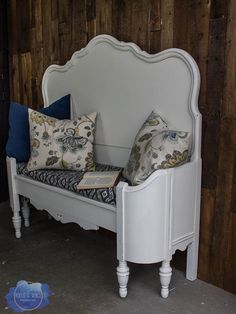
[(18, 143), (155, 149), (61, 144), (153, 124)]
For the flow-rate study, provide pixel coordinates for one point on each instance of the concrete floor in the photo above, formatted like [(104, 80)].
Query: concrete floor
[(79, 267)]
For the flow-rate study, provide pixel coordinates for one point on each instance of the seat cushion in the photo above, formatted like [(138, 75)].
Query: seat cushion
[(68, 179)]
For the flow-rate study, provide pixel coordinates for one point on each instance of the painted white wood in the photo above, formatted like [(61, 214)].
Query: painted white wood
[(124, 84), (123, 278), (60, 216), (109, 75), (14, 196), (192, 253), (72, 207), (165, 273), (26, 212), (137, 209)]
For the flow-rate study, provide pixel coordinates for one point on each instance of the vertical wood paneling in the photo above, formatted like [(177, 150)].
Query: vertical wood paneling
[(4, 99), (90, 19), (103, 17), (223, 214), (230, 90), (167, 20), (42, 32), (207, 223), (154, 26)]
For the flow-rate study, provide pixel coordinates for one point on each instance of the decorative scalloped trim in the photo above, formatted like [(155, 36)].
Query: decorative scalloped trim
[(137, 52), (146, 57)]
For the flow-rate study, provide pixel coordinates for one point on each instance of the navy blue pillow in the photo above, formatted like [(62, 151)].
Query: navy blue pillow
[(18, 143)]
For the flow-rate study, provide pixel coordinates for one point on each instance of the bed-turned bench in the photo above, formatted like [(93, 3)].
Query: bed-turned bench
[(123, 85)]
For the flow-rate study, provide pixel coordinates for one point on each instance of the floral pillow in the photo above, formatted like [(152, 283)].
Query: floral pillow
[(156, 148), (61, 144)]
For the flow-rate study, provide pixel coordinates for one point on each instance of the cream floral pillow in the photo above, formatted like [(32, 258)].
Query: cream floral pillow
[(153, 124), (156, 149), (61, 144)]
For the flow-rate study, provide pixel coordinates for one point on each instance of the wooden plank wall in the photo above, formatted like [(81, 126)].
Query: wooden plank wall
[(4, 99), (42, 32)]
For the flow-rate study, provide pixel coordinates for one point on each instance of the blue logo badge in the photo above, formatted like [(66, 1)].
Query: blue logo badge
[(28, 296)]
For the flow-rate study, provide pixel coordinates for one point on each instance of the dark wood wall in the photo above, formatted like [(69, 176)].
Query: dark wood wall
[(4, 99), (42, 32)]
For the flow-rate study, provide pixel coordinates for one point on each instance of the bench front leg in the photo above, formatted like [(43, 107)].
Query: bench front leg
[(165, 277), (123, 277)]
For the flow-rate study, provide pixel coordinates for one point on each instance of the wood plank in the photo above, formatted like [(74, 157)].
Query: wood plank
[(38, 22), (139, 31), (131, 22), (210, 143), (23, 19), (230, 258), (54, 10), (64, 31), (206, 233), (37, 70), (79, 34), (184, 26), (229, 107), (32, 13), (233, 193), (215, 81), (223, 213), (121, 16), (167, 28), (154, 31), (90, 19), (26, 78), (202, 17), (47, 33), (103, 17), (12, 26), (15, 76)]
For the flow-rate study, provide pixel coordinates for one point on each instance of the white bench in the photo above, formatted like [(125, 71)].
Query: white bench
[(124, 84)]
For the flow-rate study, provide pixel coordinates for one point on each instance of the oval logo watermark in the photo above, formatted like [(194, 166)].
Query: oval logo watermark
[(27, 296)]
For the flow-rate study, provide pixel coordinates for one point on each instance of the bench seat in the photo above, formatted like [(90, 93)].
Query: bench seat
[(68, 179)]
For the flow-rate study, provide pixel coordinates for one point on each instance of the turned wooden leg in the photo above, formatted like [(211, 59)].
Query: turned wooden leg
[(26, 211), (123, 277), (16, 219), (165, 277), (14, 197)]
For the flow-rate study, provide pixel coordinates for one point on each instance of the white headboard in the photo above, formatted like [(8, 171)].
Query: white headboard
[(124, 84)]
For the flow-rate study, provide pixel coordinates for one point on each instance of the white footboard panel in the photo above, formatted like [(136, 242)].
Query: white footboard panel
[(142, 219)]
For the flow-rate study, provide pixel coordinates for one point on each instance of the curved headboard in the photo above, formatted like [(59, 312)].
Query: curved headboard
[(124, 84)]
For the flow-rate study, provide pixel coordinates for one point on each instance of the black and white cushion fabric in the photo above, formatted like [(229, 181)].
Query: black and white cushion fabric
[(68, 179)]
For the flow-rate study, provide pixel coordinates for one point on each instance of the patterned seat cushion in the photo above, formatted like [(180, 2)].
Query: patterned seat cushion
[(68, 179)]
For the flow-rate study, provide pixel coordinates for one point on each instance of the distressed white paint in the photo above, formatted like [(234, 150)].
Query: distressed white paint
[(124, 84)]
